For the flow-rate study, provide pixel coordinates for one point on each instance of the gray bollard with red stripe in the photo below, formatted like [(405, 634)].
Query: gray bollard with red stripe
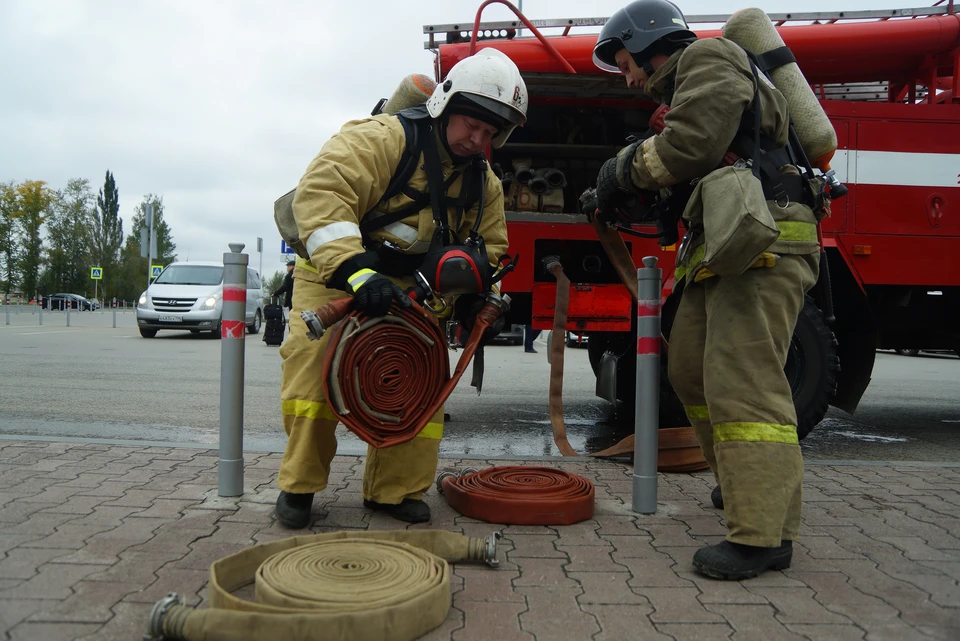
[(647, 401), (233, 331)]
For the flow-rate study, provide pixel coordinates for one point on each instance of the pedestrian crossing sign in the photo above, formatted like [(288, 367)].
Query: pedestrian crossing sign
[(96, 273), (155, 270)]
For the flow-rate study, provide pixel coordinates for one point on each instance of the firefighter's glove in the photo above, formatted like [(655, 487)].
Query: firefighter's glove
[(465, 310), (373, 293), (613, 181), (589, 204)]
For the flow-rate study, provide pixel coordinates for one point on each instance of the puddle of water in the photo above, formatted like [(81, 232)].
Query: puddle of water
[(871, 438)]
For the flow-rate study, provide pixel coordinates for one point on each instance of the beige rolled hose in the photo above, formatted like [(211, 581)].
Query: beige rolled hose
[(341, 586)]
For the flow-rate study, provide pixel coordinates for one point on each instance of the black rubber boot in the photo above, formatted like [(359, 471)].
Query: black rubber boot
[(717, 497), (293, 510), (409, 510), (733, 561)]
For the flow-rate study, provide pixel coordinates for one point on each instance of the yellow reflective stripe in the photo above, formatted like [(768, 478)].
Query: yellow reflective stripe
[(679, 273), (794, 230), (766, 432), (697, 412), (306, 264), (432, 430), (306, 409), (358, 278), (651, 158)]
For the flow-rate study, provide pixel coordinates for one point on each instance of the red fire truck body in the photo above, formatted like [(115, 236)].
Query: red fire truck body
[(888, 80)]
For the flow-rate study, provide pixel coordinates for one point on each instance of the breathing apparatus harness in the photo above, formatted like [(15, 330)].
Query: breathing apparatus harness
[(754, 150), (450, 267)]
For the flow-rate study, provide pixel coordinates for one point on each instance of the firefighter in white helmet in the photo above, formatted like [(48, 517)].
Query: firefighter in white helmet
[(743, 286), (364, 236)]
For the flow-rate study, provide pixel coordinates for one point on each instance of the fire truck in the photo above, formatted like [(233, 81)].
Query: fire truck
[(887, 79)]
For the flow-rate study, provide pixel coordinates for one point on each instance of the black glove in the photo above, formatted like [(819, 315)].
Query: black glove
[(375, 295), (609, 190), (589, 204), (465, 310), (373, 292)]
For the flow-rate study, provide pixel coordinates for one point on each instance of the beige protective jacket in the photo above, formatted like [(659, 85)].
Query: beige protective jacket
[(346, 181), (713, 85)]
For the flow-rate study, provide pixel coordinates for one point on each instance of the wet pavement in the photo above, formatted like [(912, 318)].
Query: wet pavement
[(93, 534)]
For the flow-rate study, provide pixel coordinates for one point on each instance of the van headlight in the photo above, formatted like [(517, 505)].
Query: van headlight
[(143, 301), (210, 302)]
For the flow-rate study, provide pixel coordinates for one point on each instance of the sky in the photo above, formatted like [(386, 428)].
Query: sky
[(219, 105)]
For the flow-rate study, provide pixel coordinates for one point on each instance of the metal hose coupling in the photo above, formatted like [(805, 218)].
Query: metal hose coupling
[(158, 614), (320, 320), (485, 549)]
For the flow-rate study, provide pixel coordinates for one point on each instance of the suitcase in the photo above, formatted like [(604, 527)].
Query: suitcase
[(273, 328)]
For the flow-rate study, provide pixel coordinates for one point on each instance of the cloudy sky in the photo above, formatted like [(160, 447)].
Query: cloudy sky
[(219, 106)]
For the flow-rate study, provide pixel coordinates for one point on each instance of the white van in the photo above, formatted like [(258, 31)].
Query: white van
[(189, 296)]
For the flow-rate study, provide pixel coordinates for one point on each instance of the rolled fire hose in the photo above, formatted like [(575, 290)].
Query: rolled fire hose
[(386, 377), (519, 495), (340, 586)]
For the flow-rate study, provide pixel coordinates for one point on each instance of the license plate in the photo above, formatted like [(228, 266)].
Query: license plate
[(171, 319)]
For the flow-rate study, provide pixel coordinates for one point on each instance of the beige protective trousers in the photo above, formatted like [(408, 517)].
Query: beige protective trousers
[(728, 347), (391, 474)]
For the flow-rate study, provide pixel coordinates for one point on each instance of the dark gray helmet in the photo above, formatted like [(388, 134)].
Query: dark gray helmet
[(638, 28)]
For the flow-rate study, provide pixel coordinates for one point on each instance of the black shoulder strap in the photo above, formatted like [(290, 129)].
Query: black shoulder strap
[(415, 121)]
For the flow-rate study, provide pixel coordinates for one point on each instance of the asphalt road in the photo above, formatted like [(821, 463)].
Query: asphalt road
[(91, 380)]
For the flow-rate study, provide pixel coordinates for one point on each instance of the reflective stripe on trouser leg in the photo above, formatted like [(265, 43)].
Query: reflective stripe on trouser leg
[(406, 470), (307, 418), (750, 321)]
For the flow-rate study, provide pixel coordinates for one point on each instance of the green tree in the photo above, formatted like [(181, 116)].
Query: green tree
[(69, 232), (34, 200), (108, 234), (9, 241), (133, 267), (272, 284)]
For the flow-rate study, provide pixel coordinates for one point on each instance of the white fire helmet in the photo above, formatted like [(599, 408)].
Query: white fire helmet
[(488, 80)]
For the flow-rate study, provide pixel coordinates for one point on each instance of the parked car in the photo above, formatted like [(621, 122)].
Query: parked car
[(189, 296), (94, 303), (63, 301), (576, 339), (915, 352)]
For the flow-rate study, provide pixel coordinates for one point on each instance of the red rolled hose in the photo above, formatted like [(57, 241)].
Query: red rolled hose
[(385, 378), (521, 495)]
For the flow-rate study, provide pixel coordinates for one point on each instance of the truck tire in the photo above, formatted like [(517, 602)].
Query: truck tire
[(811, 369)]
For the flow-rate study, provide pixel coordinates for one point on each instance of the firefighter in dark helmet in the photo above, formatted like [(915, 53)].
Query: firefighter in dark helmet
[(363, 245), (743, 284)]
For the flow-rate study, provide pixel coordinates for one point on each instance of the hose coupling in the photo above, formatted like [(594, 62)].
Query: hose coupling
[(315, 328), (157, 615)]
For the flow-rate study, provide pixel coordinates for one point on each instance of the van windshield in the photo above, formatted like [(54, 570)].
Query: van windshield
[(191, 275)]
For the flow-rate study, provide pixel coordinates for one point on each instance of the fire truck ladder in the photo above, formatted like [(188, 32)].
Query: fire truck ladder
[(932, 87)]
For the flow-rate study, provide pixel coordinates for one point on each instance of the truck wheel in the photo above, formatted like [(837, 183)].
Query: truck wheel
[(812, 367)]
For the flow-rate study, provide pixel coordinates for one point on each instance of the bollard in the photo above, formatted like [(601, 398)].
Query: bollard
[(647, 400), (233, 329), (114, 317), (7, 308), (40, 310), (68, 316)]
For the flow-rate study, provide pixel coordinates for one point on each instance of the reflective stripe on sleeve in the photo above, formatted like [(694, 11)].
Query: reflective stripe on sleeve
[(330, 233), (765, 432), (654, 163)]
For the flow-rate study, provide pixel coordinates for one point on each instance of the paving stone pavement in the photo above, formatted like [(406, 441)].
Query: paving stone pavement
[(93, 534)]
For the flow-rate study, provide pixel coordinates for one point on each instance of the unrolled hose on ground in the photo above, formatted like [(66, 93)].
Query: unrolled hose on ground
[(387, 377), (341, 586)]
